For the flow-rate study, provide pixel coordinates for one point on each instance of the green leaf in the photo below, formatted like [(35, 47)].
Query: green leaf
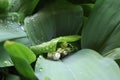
[(114, 54), (24, 6), (3, 5), (23, 40), (5, 59), (28, 6), (21, 57), (58, 18), (10, 26), (50, 46), (15, 49), (101, 33), (82, 65)]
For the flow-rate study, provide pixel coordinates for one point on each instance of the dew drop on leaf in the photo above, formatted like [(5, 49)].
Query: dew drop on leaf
[(40, 57), (7, 62), (41, 69)]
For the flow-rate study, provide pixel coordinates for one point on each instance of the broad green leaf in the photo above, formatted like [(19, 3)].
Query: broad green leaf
[(25, 6), (14, 49), (10, 26), (50, 46), (58, 18), (82, 65), (101, 33), (21, 57), (5, 59)]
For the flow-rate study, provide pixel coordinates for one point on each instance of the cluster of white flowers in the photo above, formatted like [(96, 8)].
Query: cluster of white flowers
[(59, 53)]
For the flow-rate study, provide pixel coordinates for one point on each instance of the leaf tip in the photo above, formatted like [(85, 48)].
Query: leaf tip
[(8, 43)]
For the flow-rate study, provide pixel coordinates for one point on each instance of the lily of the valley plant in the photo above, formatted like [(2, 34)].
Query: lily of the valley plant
[(59, 40)]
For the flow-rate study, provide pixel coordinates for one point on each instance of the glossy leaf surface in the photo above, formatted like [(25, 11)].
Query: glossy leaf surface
[(23, 6), (50, 46), (59, 18), (114, 54), (21, 57), (102, 33), (5, 59), (10, 26), (83, 65)]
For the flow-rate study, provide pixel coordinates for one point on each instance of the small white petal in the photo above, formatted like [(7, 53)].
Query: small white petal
[(64, 53), (56, 56), (50, 55)]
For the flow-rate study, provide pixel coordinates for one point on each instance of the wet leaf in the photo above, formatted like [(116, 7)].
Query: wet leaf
[(85, 65)]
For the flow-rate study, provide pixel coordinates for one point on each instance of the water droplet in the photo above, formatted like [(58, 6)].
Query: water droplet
[(65, 53), (22, 28), (40, 57), (7, 62), (41, 69)]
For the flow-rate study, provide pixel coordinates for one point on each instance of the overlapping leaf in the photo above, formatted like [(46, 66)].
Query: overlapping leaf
[(10, 26), (51, 46), (114, 54), (25, 6), (5, 59), (87, 8), (21, 57), (83, 65), (59, 18), (102, 30)]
